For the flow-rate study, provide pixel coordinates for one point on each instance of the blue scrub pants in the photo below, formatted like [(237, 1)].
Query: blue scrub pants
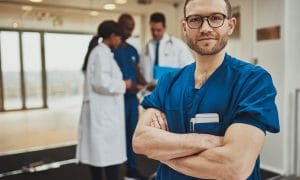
[(131, 117)]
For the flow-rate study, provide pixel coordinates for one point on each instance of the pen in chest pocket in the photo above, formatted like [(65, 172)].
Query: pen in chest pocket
[(203, 118)]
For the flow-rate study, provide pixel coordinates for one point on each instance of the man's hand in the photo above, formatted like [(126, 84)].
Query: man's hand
[(128, 83), (153, 138), (151, 86), (234, 159), (159, 121), (134, 86)]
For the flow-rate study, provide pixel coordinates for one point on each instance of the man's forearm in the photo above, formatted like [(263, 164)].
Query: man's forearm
[(210, 164), (163, 145), (235, 159)]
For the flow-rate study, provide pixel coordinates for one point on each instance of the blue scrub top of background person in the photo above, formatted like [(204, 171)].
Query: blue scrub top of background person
[(127, 59)]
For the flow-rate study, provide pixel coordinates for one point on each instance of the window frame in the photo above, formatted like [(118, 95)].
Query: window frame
[(43, 68)]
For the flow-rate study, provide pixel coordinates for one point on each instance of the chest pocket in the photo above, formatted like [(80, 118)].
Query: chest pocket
[(213, 128), (175, 120)]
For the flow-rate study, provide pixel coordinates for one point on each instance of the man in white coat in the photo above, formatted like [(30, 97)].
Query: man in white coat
[(163, 50)]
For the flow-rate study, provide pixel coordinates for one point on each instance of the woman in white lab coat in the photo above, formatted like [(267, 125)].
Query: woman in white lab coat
[(102, 141)]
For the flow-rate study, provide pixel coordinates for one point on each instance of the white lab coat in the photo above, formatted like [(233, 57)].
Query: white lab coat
[(102, 140), (173, 52)]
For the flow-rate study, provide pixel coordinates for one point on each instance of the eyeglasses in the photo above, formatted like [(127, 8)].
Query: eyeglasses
[(214, 20)]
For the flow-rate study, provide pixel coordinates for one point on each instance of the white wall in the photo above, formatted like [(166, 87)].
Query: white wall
[(292, 78), (281, 59), (242, 47), (270, 54)]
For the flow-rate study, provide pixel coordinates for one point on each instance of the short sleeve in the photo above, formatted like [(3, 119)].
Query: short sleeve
[(121, 61), (256, 103), (157, 98), (136, 54)]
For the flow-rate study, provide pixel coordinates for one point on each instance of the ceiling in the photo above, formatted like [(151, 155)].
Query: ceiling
[(131, 6), (64, 14)]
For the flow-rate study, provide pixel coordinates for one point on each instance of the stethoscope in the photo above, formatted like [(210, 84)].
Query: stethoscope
[(168, 46), (167, 49)]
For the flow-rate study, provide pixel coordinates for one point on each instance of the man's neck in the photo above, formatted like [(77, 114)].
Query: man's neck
[(209, 63), (158, 40), (205, 66), (124, 43)]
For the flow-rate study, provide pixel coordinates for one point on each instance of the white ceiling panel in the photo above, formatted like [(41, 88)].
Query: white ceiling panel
[(58, 14), (131, 6)]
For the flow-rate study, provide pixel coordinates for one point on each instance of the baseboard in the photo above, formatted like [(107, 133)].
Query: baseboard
[(38, 148), (272, 169)]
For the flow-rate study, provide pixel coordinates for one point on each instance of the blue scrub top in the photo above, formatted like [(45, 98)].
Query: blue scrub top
[(237, 91), (127, 59)]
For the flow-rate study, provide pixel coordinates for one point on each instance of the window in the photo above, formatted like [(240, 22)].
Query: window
[(11, 68), (31, 44), (22, 74), (64, 58)]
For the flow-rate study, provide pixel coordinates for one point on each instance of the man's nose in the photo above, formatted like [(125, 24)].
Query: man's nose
[(205, 26)]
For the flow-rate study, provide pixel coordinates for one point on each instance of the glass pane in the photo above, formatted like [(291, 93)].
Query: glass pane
[(64, 58), (32, 69), (10, 57)]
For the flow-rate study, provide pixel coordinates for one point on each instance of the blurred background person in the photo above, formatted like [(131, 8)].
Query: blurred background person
[(128, 59), (164, 52), (102, 123)]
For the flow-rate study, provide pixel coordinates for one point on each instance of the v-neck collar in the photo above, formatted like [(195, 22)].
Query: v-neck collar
[(192, 76)]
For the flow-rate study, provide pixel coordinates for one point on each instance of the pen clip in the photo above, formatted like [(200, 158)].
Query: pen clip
[(192, 124)]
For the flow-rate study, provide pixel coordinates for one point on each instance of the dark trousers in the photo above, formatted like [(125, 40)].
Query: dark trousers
[(131, 118), (110, 172)]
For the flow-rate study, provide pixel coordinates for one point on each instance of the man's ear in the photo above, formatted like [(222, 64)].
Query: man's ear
[(231, 25), (183, 24)]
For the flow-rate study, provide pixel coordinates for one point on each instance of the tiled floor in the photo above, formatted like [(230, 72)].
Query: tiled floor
[(22, 131)]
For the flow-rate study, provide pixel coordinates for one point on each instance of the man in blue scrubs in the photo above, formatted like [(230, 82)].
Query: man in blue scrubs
[(209, 119), (127, 58)]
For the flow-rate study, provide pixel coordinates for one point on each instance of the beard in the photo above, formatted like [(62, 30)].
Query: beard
[(203, 49)]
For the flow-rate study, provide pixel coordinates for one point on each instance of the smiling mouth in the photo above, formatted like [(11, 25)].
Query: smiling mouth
[(204, 39)]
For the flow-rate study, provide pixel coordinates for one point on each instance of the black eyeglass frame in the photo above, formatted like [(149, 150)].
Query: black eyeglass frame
[(207, 19)]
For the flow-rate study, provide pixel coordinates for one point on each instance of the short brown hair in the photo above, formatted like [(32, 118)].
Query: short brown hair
[(158, 17), (228, 5), (124, 18)]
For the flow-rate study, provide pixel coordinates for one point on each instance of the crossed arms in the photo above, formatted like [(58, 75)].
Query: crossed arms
[(199, 155)]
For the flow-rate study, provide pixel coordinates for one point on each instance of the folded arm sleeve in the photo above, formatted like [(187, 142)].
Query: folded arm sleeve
[(157, 98), (256, 103)]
